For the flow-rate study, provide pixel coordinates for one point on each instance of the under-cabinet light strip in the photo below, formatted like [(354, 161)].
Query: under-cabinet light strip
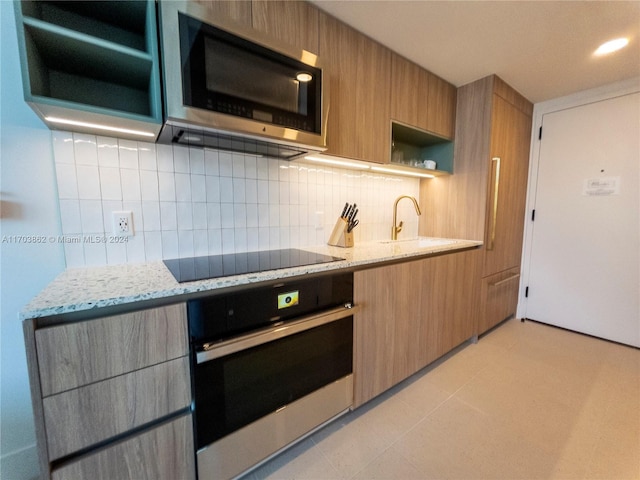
[(336, 161), (98, 126), (402, 172)]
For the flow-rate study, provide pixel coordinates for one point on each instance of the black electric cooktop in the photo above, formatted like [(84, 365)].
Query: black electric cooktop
[(217, 266)]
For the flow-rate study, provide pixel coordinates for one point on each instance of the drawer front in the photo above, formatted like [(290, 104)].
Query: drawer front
[(163, 453), (85, 416), (77, 354), (499, 298)]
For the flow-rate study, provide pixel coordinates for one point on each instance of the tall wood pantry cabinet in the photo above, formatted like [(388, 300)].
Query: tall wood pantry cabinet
[(485, 197)]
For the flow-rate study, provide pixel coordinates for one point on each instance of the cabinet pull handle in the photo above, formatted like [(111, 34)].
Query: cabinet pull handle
[(506, 280), (495, 168)]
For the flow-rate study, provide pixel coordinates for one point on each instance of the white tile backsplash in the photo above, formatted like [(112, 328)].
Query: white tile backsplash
[(205, 202)]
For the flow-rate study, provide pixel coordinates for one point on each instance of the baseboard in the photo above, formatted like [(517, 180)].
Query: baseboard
[(20, 465)]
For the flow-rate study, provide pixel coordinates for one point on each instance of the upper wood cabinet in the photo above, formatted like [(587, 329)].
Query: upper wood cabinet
[(293, 22), (360, 83), (422, 99), (409, 93), (239, 11)]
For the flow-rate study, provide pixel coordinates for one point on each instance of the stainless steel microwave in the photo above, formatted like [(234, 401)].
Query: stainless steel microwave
[(224, 82)]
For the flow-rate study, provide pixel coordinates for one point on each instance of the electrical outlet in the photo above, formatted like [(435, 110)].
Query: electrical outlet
[(122, 223)]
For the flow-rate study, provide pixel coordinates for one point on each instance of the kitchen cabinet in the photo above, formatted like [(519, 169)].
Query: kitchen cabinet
[(360, 82), (422, 117), (421, 99), (238, 11), (485, 198), (103, 383), (411, 314), (292, 22), (92, 62)]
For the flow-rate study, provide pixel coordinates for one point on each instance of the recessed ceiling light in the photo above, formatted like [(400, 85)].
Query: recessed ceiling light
[(611, 46)]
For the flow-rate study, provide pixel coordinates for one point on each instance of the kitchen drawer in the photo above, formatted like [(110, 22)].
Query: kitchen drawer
[(162, 453), (77, 354), (499, 298), (85, 416)]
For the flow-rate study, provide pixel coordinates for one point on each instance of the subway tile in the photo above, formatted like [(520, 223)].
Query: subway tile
[(252, 215), (200, 243), (240, 239), (152, 246), (74, 255), (214, 218), (185, 243), (108, 152), (70, 216), (228, 240), (88, 182), (264, 215), (263, 168), (284, 193), (95, 254), (196, 161), (250, 166), (147, 156), (199, 211), (108, 207), (116, 253), (67, 181), (63, 147), (214, 237), (164, 157), (183, 187), (239, 192), (137, 217), (263, 238), (185, 216), (274, 192), (151, 216), (84, 149), (198, 188), (253, 239), (274, 170), (110, 183), (284, 215), (274, 238), (225, 162), (166, 186), (91, 216), (128, 153), (239, 215), (211, 166), (181, 159), (226, 215), (212, 187), (130, 182), (263, 191), (251, 190), (238, 165), (226, 189), (170, 244), (135, 249), (168, 216), (149, 187)]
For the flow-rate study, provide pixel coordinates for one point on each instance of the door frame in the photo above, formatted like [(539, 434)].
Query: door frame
[(578, 99)]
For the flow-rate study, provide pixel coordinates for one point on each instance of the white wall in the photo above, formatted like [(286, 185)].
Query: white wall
[(28, 207)]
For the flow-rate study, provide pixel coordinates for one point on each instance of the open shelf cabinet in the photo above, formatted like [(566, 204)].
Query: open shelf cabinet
[(92, 62), (411, 147)]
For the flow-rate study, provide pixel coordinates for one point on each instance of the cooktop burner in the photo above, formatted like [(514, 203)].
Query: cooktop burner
[(216, 266)]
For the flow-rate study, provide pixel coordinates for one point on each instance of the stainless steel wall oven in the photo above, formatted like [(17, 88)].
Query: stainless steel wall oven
[(270, 365)]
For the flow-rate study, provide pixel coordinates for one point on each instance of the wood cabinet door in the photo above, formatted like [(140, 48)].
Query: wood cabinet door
[(386, 328), (360, 82), (161, 453), (409, 93), (507, 186), (76, 354), (293, 22), (441, 114)]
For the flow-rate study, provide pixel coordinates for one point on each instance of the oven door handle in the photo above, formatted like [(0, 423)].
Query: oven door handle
[(260, 337)]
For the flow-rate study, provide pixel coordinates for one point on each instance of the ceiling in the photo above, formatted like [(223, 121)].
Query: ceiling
[(544, 49)]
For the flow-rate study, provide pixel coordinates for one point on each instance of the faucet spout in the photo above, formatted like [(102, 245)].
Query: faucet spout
[(396, 229)]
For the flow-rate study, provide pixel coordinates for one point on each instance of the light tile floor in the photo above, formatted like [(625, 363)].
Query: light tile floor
[(528, 401)]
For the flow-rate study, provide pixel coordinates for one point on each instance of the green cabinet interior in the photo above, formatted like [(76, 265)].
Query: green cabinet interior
[(411, 146), (99, 59)]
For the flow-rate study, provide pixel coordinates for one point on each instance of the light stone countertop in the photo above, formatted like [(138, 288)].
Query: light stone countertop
[(83, 289)]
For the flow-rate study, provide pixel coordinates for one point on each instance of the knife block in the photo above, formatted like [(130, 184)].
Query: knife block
[(339, 236)]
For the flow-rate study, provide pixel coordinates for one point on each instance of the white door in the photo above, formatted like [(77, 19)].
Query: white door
[(584, 271)]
